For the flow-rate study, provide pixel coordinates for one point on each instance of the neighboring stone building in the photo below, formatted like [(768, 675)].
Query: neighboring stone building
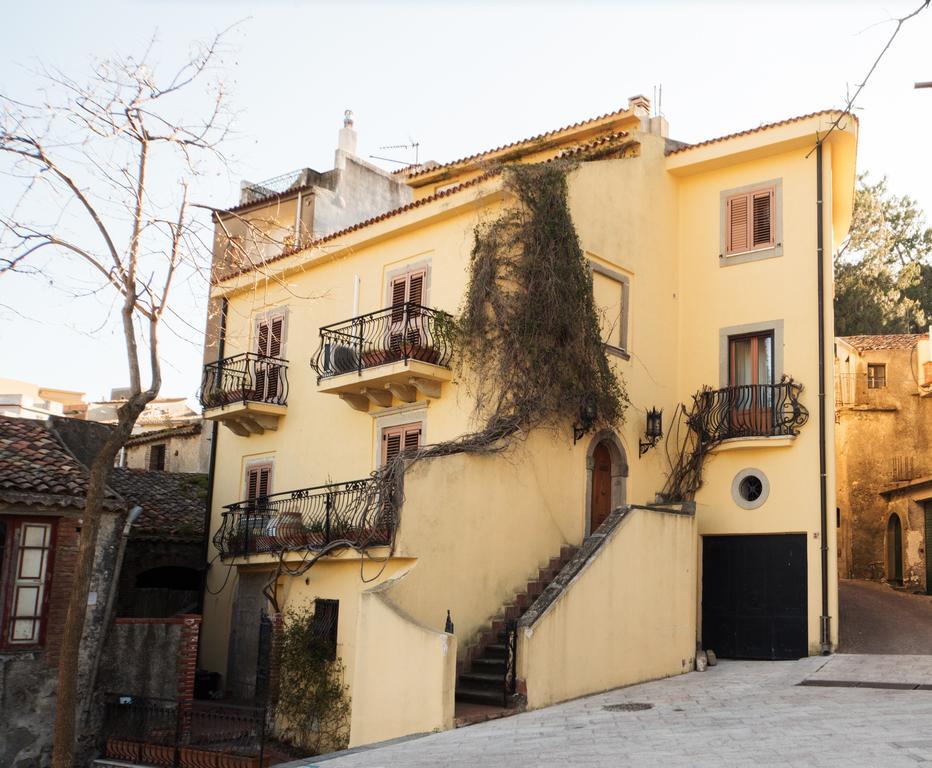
[(883, 398), (24, 400), (42, 488), (164, 561)]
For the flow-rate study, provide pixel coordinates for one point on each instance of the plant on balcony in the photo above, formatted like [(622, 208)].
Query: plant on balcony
[(313, 708)]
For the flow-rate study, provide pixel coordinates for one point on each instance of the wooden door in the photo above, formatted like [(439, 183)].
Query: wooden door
[(407, 295), (268, 345), (894, 550), (601, 503)]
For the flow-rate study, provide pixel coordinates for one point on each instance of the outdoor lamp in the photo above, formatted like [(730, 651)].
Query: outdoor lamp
[(588, 413), (653, 432)]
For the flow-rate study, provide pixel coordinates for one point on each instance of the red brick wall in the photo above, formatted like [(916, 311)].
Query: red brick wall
[(63, 568)]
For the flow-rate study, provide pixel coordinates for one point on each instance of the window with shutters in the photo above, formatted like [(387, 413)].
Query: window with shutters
[(26, 568), (258, 480), (876, 375), (406, 293), (751, 223), (401, 439), (269, 343), (157, 457)]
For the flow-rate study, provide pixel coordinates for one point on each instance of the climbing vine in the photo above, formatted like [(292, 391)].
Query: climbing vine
[(313, 707)]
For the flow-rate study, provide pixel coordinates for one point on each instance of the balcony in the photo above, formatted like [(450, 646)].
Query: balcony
[(749, 411), (352, 514), (248, 392), (385, 357)]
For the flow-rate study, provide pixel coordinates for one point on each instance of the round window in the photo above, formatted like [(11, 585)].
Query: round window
[(750, 488)]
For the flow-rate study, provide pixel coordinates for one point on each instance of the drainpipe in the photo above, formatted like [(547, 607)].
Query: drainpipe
[(131, 518), (825, 619), (209, 502)]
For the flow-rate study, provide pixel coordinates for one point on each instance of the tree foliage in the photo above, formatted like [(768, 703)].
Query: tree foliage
[(883, 272), (313, 708)]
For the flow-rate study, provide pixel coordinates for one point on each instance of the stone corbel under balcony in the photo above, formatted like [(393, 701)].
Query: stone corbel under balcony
[(388, 385), (247, 418)]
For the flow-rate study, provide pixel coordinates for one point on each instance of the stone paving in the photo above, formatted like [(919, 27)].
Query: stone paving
[(735, 714)]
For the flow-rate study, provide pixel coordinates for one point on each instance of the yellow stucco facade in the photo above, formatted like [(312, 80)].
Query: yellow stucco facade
[(473, 530)]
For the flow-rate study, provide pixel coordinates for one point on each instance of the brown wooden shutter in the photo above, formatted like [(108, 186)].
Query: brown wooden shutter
[(412, 438), (259, 481), (262, 338), (391, 445), (399, 296), (737, 223), (763, 228), (275, 336)]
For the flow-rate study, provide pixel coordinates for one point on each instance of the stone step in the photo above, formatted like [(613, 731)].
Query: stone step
[(534, 588), (496, 666), (567, 553), (494, 651), (480, 696), (482, 680)]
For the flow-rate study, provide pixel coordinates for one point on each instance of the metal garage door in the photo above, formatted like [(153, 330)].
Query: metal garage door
[(754, 603)]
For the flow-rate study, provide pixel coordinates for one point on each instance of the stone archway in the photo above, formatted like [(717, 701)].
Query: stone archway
[(605, 445)]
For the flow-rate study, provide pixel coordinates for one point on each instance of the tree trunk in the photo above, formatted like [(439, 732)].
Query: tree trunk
[(68, 664)]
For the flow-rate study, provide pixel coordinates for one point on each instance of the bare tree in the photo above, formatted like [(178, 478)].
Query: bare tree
[(114, 162)]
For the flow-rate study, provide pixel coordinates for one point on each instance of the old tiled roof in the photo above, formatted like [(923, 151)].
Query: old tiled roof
[(173, 503), (596, 146), (787, 121), (185, 430), (37, 468), (886, 341), (421, 171)]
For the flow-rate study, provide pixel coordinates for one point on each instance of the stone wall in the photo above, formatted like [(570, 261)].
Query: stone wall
[(28, 679), (883, 451)]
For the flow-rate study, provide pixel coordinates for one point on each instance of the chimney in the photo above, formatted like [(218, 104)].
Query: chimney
[(346, 143), (657, 125)]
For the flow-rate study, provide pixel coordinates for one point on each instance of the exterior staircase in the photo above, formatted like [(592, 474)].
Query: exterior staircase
[(482, 671)]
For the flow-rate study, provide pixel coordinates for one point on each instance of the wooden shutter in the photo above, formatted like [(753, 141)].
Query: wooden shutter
[(406, 437), (29, 593), (275, 336), (258, 481), (763, 229), (736, 218), (157, 457), (399, 296)]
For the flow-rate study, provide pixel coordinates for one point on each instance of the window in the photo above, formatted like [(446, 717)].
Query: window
[(750, 359), (324, 627), (400, 439), (157, 456), (25, 562), (407, 288), (750, 488), (258, 481), (876, 375), (269, 339), (610, 292), (406, 292), (750, 219)]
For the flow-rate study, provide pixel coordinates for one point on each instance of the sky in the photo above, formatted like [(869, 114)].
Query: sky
[(457, 78)]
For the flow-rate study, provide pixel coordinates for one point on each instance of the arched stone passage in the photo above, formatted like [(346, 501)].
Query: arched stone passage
[(606, 477)]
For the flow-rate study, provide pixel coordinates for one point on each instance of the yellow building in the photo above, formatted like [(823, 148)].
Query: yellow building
[(561, 571)]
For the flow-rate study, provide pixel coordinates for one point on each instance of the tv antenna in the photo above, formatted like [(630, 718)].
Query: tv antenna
[(411, 145)]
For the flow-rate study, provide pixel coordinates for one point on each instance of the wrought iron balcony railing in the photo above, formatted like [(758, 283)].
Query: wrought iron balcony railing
[(359, 513), (245, 378), (753, 410), (399, 333)]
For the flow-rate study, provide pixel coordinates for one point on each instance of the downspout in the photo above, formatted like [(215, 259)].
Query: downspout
[(221, 346), (131, 518), (825, 619)]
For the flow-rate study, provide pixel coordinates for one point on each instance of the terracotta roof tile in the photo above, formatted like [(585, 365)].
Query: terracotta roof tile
[(173, 503), (767, 126), (185, 430), (884, 341), (36, 467), (421, 171)]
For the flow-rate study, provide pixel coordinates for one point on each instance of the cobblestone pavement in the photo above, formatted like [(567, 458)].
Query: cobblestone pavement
[(735, 714), (875, 618)]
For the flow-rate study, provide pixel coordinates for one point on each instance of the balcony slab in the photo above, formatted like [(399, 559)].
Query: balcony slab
[(743, 443), (247, 418), (381, 386)]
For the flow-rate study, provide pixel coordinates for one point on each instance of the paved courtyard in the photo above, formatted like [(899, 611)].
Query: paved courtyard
[(875, 618), (735, 714)]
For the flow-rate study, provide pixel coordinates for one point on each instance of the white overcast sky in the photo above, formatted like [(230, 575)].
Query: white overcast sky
[(459, 78)]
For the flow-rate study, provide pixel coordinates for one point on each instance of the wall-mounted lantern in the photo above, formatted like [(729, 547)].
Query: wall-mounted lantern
[(588, 413), (654, 430)]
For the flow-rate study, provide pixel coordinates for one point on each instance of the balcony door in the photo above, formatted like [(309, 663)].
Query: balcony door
[(750, 366), (268, 345), (405, 331)]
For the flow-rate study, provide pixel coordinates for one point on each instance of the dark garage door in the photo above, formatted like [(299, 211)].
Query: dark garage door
[(754, 596)]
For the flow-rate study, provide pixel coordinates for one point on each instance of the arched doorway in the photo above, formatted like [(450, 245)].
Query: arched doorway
[(894, 550), (607, 469)]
